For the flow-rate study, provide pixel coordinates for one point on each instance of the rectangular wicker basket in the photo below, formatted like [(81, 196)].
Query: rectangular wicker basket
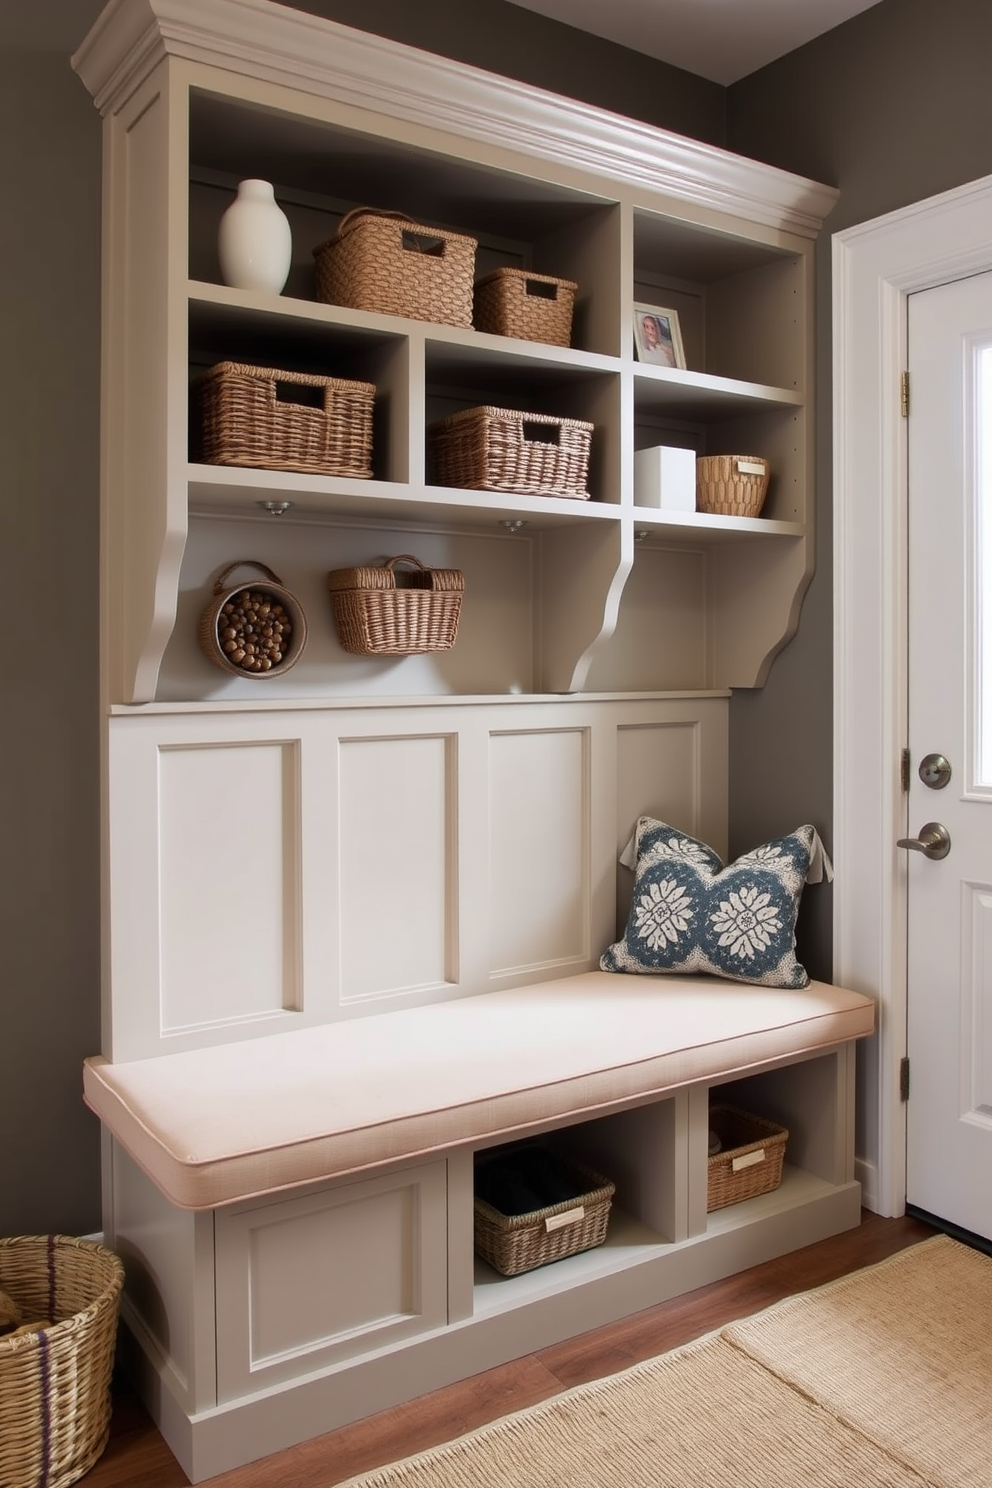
[(386, 262), (244, 415), (532, 307), (573, 1216), (750, 1160), (387, 611), (500, 449)]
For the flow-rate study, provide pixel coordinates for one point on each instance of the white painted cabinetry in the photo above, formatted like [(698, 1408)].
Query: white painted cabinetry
[(361, 834)]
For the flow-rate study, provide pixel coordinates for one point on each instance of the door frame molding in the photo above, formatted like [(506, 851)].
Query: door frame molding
[(876, 265)]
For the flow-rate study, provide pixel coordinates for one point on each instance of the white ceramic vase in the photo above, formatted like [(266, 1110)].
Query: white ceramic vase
[(254, 242)]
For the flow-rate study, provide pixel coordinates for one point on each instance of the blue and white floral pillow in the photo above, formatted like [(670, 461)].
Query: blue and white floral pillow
[(689, 913)]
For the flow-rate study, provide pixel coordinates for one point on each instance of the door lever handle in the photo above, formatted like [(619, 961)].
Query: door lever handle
[(934, 841)]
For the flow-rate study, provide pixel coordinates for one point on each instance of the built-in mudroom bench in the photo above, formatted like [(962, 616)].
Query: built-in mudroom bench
[(357, 890)]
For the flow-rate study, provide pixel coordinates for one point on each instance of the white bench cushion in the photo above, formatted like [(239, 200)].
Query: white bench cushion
[(211, 1126)]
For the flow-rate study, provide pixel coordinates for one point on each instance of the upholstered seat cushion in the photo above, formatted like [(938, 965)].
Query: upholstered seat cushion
[(211, 1126)]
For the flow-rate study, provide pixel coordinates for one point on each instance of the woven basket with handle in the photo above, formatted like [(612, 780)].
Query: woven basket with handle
[(55, 1380), (386, 262), (500, 449), (391, 611), (532, 307), (272, 420)]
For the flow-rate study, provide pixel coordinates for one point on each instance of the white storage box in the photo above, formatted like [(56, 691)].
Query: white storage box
[(665, 477)]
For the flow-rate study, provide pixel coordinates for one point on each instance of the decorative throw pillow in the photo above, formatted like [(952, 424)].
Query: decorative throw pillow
[(689, 913)]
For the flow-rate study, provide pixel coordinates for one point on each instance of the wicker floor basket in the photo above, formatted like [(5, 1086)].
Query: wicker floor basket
[(386, 262), (752, 1152), (532, 307), (244, 415), (731, 485), (55, 1381), (574, 1217), (390, 611), (500, 449), (253, 630)]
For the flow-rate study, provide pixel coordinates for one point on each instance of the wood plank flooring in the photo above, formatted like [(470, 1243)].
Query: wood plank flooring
[(137, 1455)]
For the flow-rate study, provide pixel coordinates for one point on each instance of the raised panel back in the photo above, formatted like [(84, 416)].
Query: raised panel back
[(319, 863)]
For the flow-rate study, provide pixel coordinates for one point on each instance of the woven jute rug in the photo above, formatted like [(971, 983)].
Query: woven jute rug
[(880, 1380), (901, 1353)]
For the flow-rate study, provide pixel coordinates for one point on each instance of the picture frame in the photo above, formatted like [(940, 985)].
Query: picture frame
[(658, 336)]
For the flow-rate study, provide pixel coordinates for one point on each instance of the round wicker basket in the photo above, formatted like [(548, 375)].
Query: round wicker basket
[(249, 600), (731, 485), (55, 1380)]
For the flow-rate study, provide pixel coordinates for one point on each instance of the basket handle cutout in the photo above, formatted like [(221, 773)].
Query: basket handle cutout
[(303, 394), (220, 583), (540, 433), (541, 289), (424, 243)]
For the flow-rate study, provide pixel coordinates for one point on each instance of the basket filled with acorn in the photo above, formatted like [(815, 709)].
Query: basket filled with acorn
[(255, 629)]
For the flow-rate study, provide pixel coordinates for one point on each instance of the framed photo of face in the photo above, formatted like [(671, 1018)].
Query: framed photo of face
[(657, 336)]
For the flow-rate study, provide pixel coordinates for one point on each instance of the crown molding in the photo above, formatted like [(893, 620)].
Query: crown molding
[(271, 42)]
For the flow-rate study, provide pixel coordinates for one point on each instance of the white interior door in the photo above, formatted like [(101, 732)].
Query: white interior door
[(949, 877)]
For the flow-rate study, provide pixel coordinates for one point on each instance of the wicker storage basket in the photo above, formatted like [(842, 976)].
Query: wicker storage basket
[(278, 626), (571, 1215), (245, 415), (752, 1151), (532, 307), (731, 485), (384, 261), (499, 449), (55, 1381), (390, 612)]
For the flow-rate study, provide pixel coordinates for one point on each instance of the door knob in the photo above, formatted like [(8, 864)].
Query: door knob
[(934, 841)]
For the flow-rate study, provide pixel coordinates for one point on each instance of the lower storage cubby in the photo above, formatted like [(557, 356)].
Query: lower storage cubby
[(789, 1138)]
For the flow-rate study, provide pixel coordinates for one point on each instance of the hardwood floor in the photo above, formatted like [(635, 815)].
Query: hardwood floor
[(137, 1455)]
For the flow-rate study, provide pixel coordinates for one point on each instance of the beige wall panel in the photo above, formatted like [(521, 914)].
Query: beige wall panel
[(661, 635), (229, 863), (397, 881), (675, 772), (539, 849)]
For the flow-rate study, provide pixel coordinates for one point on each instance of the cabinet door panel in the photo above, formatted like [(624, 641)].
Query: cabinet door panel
[(313, 1281)]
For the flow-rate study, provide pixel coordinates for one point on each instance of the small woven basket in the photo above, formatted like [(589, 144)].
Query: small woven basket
[(532, 307), (224, 632), (55, 1381), (750, 1159), (575, 1218), (260, 417), (499, 449), (386, 262), (390, 612), (731, 485)]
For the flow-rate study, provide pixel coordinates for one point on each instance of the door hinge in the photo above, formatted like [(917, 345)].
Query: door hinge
[(904, 394), (904, 769), (904, 1078)]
